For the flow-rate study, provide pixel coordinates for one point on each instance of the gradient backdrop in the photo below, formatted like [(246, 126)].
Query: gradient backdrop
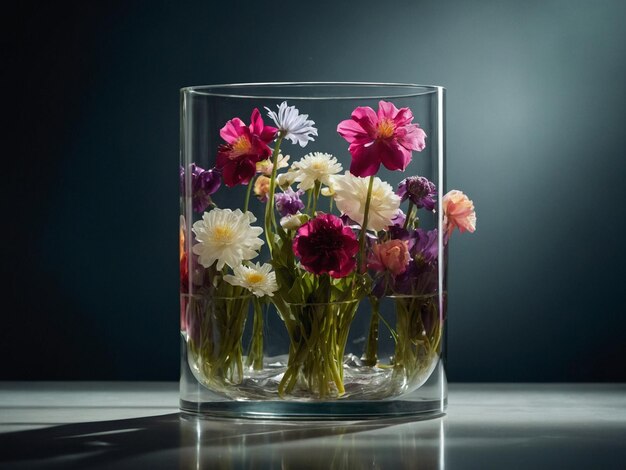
[(536, 137)]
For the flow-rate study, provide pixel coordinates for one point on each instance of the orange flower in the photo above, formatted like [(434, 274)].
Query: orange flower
[(458, 211), (392, 255), (181, 241), (184, 268)]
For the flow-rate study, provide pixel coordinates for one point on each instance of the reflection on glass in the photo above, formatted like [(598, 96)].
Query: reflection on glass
[(232, 444)]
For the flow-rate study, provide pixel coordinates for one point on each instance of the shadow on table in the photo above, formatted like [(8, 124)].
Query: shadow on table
[(181, 441)]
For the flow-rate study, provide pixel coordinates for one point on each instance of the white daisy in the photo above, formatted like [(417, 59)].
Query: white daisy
[(315, 166), (266, 166), (227, 237), (351, 194), (260, 280), (294, 126)]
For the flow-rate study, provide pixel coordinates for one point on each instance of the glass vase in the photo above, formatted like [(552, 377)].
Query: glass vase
[(312, 255)]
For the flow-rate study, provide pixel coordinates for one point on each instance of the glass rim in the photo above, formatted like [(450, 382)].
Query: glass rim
[(411, 296), (218, 297), (319, 304), (238, 90)]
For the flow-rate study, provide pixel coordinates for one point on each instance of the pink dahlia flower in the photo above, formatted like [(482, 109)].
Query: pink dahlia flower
[(246, 145), (458, 211), (386, 137), (392, 255), (325, 245)]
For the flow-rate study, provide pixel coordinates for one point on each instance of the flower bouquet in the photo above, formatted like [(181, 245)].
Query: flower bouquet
[(334, 239)]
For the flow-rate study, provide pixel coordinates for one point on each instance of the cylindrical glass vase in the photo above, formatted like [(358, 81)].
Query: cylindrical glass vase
[(312, 250)]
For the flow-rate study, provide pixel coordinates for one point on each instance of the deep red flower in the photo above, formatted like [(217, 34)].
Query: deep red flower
[(246, 145), (325, 245)]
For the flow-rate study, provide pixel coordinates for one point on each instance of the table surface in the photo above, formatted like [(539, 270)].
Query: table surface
[(136, 425)]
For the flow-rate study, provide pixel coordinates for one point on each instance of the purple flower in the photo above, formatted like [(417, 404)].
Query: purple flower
[(419, 190), (398, 219), (203, 184), (421, 275), (422, 243), (397, 232), (288, 202), (418, 279), (425, 245)]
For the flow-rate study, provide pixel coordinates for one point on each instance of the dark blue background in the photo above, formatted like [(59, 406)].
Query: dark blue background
[(536, 117)]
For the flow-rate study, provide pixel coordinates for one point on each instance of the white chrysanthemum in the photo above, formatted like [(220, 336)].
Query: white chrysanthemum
[(351, 194), (294, 126), (266, 166), (316, 166), (260, 280), (227, 237)]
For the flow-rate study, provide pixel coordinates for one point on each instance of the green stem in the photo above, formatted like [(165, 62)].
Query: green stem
[(269, 208), (364, 226), (392, 332), (309, 199), (317, 347), (408, 214), (222, 363), (248, 191), (416, 348), (316, 195), (255, 356), (370, 357)]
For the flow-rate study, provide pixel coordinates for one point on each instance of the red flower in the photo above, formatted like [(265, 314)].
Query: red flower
[(386, 137), (325, 245), (246, 145)]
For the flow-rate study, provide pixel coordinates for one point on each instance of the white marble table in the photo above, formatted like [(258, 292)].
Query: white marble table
[(137, 425)]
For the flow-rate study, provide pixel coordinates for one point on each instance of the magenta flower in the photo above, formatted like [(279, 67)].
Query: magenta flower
[(386, 137), (246, 145), (325, 245)]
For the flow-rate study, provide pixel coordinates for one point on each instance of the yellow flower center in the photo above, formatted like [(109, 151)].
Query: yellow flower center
[(241, 146), (223, 234), (319, 165), (254, 278), (385, 129)]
